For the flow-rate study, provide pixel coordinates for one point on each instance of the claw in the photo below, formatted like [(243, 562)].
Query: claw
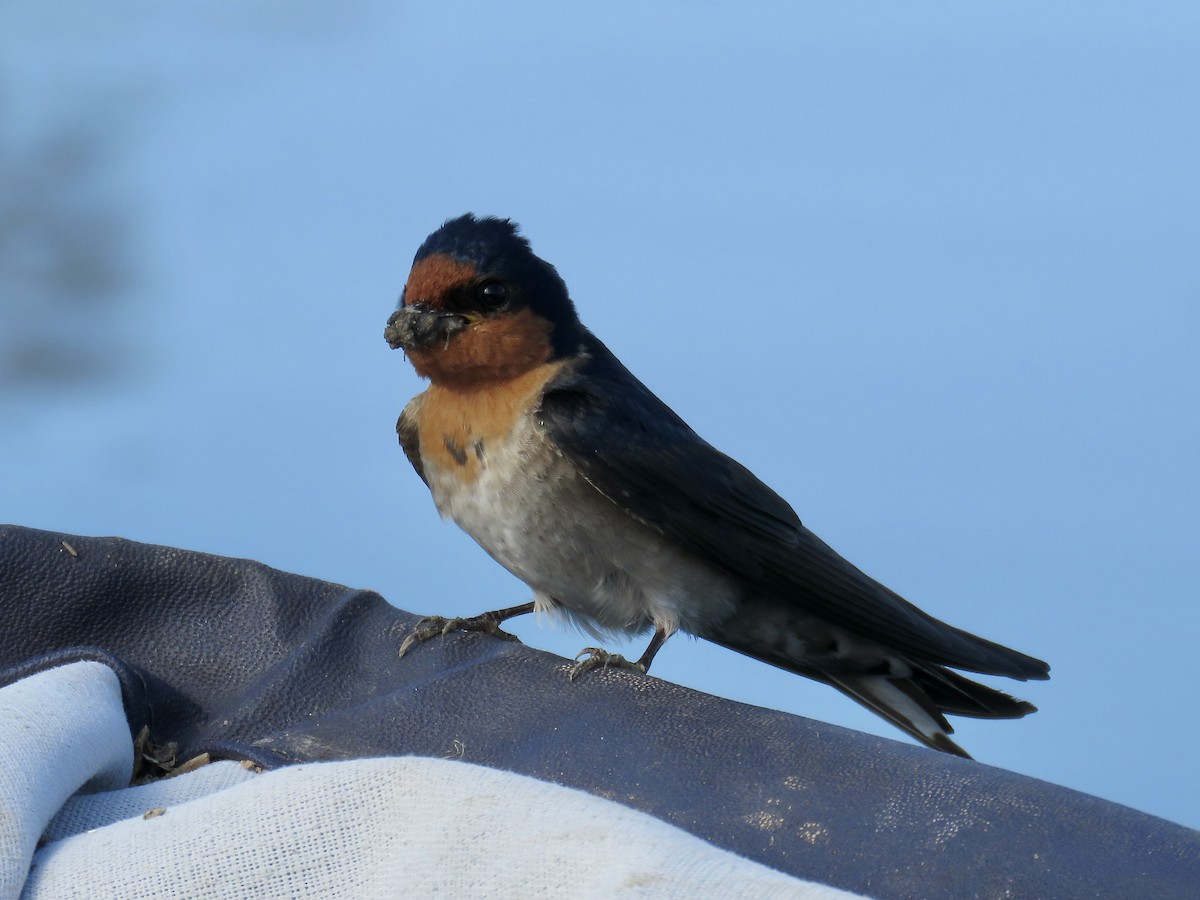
[(601, 659), (437, 626)]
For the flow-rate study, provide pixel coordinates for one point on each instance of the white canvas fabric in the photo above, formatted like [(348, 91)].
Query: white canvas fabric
[(400, 826), (61, 731)]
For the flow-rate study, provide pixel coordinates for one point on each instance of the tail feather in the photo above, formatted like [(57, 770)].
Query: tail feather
[(918, 705), (960, 696), (915, 695), (902, 702)]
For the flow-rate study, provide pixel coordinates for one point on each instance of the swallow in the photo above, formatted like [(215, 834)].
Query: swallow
[(537, 441)]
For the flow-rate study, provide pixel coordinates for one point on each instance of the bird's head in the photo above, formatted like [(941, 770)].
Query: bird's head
[(479, 306)]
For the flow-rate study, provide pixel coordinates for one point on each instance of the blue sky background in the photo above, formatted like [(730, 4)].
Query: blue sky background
[(931, 270)]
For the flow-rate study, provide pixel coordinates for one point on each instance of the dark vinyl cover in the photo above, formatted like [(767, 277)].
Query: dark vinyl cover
[(243, 661)]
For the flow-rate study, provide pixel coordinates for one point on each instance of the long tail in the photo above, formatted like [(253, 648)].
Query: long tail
[(918, 704), (914, 695)]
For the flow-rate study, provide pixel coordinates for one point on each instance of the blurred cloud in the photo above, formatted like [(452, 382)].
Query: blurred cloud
[(65, 257)]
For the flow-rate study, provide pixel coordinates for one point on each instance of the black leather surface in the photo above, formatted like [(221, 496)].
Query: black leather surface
[(233, 657)]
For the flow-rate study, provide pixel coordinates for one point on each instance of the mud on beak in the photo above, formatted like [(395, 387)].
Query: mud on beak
[(419, 326)]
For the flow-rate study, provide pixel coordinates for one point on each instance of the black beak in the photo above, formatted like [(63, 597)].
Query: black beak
[(419, 326)]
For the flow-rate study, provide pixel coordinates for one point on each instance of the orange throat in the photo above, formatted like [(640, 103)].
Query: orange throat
[(458, 424), (489, 352)]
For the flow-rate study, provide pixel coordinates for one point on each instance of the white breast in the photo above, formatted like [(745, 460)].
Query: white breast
[(579, 552)]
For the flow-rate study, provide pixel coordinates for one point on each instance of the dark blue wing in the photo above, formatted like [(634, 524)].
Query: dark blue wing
[(633, 449)]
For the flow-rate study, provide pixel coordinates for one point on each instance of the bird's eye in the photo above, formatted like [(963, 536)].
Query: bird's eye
[(493, 294)]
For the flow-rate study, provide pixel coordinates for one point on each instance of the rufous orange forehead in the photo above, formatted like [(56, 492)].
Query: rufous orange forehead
[(433, 277)]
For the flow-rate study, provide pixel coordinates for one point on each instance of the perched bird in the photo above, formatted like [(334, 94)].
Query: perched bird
[(564, 467)]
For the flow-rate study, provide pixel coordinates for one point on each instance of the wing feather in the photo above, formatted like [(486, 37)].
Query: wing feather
[(410, 441), (639, 454)]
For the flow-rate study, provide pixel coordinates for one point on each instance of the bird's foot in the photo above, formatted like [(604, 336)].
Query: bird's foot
[(602, 659), (436, 626)]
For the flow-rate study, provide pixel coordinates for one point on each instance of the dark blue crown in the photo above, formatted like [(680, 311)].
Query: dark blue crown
[(483, 242)]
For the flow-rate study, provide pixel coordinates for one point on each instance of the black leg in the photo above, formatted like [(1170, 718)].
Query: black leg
[(656, 642)]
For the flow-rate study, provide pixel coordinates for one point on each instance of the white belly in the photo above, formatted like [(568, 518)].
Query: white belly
[(579, 552)]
